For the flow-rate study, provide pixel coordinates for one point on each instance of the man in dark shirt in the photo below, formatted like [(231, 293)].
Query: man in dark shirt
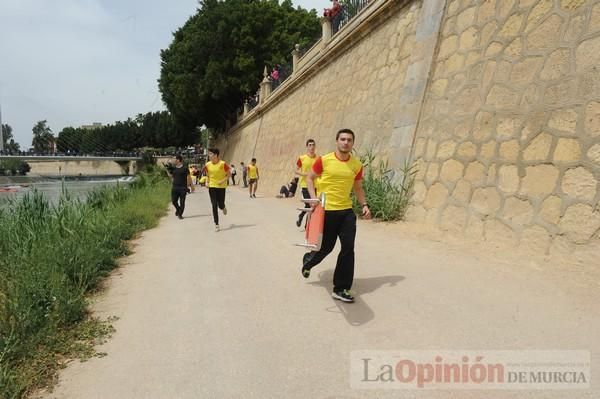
[(180, 186)]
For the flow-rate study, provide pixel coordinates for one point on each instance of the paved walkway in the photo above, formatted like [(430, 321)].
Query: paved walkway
[(228, 315)]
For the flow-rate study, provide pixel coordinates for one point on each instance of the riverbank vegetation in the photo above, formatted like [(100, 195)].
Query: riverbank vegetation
[(53, 256)]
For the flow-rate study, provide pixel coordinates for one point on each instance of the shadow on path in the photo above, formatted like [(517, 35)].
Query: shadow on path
[(196, 216), (237, 226), (357, 313)]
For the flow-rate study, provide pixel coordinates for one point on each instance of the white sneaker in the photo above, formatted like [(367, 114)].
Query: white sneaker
[(217, 228)]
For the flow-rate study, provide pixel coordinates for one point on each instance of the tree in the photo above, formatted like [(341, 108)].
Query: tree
[(216, 59), (9, 143), (43, 139)]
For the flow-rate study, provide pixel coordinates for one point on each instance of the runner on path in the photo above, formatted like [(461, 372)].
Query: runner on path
[(217, 176), (253, 178), (340, 173), (303, 166), (180, 187)]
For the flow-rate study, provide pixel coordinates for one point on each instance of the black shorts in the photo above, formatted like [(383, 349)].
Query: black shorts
[(252, 181)]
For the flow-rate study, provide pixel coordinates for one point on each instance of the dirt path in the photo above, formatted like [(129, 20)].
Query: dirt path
[(228, 315)]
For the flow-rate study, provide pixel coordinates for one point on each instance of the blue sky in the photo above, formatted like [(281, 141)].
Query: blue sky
[(75, 62)]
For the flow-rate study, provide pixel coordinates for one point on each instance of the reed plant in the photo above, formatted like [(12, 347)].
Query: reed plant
[(51, 257), (387, 190)]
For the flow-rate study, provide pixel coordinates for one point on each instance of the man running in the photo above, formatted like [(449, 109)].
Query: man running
[(179, 190), (340, 173), (303, 166), (253, 178), (217, 176)]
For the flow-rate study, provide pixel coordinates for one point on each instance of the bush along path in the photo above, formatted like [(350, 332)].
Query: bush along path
[(51, 257)]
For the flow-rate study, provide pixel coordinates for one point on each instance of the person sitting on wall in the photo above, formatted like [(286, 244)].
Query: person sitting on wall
[(290, 190)]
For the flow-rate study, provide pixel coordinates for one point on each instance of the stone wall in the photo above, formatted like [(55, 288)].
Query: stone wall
[(496, 101), (355, 81), (508, 144)]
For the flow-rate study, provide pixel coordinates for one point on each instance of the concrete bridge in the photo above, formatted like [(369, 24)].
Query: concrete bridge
[(62, 165)]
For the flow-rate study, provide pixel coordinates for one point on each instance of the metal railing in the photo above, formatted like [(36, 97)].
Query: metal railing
[(350, 8)]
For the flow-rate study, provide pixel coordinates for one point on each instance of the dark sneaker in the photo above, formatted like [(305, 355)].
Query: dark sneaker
[(180, 217), (225, 211), (343, 296), (305, 270), (253, 195), (298, 223)]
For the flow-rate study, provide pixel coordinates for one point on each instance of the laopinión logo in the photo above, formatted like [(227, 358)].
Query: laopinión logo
[(470, 369)]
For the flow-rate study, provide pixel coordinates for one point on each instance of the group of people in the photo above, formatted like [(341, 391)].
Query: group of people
[(336, 174)]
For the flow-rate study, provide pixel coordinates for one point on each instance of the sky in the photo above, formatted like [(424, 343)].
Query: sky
[(75, 62)]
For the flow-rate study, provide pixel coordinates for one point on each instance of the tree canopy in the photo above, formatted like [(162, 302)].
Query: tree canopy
[(153, 129), (43, 138), (10, 145), (216, 59)]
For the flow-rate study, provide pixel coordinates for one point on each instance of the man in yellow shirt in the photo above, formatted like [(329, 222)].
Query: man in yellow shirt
[(217, 175), (339, 174), (253, 178), (303, 166)]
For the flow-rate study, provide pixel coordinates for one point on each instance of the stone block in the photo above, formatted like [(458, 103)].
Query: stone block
[(545, 35), (570, 5), (452, 170), (539, 181), (449, 45), (557, 64), (538, 13), (436, 196), (592, 119), (438, 88), (509, 150), (466, 150), (517, 212), (475, 172), (502, 97), (474, 228), (462, 191), (564, 120), (465, 19), (468, 39), (514, 49), (419, 192), (550, 210), (488, 151), (446, 150), (492, 175), (579, 183), (487, 10), (567, 150), (512, 26), (493, 49), (507, 127), (468, 101), (539, 148), (588, 54), (595, 19), (504, 8), (575, 28), (482, 128), (486, 200), (594, 154), (433, 171), (579, 223), (508, 179), (536, 239), (487, 32)]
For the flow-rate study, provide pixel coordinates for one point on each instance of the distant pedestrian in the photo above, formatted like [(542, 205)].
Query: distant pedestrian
[(180, 175), (233, 173), (244, 174), (253, 176), (303, 166)]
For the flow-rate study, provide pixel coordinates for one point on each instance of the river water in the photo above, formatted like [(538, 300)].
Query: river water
[(52, 188)]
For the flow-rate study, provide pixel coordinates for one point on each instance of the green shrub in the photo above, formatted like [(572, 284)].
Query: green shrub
[(388, 197), (53, 257)]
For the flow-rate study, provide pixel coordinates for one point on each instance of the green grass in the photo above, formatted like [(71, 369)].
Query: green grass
[(388, 191), (51, 258)]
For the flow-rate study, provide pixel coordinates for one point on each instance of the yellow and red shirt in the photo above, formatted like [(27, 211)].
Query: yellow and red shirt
[(337, 179), (252, 172), (217, 172), (305, 163)]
